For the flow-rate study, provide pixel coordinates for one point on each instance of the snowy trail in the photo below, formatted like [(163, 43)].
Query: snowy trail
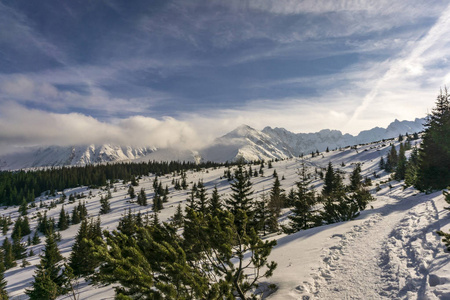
[(386, 255)]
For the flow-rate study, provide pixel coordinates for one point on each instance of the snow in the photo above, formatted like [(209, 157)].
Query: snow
[(243, 142), (391, 251)]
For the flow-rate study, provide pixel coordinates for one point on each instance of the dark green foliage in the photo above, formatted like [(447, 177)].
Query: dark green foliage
[(131, 192), (36, 240), (142, 198), (127, 224), (240, 199), (50, 280), (63, 222), (329, 181), (277, 198), (23, 208), (3, 283), (105, 207), (201, 199), (214, 202), (21, 226), (43, 286), (355, 178), (19, 249), (303, 216), (8, 254), (434, 154), (178, 218), (149, 265), (79, 213), (14, 186), (82, 261)]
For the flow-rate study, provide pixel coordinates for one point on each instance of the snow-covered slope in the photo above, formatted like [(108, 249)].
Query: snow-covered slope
[(391, 251), (71, 155), (245, 143), (242, 143), (298, 143)]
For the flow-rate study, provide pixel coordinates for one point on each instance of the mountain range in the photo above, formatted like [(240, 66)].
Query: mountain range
[(244, 142)]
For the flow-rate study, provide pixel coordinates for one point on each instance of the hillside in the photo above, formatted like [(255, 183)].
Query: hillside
[(243, 142), (390, 251)]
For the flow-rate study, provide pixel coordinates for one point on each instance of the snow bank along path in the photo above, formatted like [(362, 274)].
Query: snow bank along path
[(390, 252)]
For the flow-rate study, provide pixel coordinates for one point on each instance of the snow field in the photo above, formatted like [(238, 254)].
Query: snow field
[(391, 251)]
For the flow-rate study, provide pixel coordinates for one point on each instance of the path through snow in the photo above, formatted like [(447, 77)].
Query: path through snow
[(388, 254)]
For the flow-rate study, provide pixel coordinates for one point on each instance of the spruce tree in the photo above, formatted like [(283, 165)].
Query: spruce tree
[(82, 261), (49, 281), (63, 222), (43, 286), (240, 201), (434, 153), (8, 254), (178, 218), (303, 216), (105, 207), (214, 202), (3, 283)]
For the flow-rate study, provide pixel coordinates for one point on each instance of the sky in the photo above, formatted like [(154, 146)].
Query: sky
[(180, 73)]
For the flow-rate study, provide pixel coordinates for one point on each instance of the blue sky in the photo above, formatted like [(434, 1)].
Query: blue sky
[(97, 71)]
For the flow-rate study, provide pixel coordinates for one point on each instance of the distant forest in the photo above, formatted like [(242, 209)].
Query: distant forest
[(21, 186)]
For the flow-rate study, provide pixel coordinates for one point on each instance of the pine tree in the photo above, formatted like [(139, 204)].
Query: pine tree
[(240, 201), (178, 217), (36, 240), (49, 281), (201, 197), (356, 178), (8, 254), (214, 202), (131, 192), (142, 198), (303, 216), (23, 208), (63, 222), (3, 283), (434, 153), (150, 265), (400, 171), (82, 261), (105, 207), (43, 286), (276, 199), (19, 249), (329, 181)]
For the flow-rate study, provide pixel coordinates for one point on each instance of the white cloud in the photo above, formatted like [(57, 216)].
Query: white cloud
[(20, 126)]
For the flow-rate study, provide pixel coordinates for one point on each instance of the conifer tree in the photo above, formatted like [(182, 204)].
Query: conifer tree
[(303, 217), (43, 286), (49, 281), (277, 198), (400, 171), (240, 201), (201, 197), (178, 217), (356, 178), (214, 202), (3, 283), (63, 222), (434, 153), (8, 254), (36, 240), (142, 198), (131, 192), (105, 207), (19, 249), (82, 261)]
